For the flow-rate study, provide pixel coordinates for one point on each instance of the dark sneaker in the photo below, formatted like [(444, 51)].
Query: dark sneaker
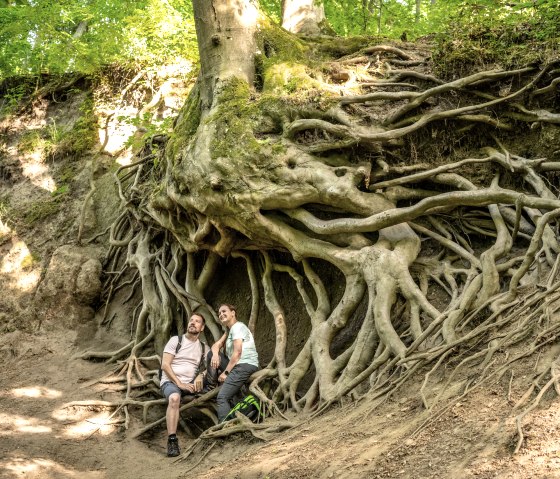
[(173, 447)]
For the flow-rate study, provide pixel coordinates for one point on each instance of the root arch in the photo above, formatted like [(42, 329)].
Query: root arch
[(433, 253)]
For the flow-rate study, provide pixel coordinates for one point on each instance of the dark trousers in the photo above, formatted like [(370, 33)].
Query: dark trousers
[(236, 378)]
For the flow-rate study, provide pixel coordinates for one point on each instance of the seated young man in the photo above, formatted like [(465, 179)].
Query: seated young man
[(181, 375)]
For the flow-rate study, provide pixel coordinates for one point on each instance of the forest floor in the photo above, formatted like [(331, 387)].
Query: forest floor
[(474, 438)]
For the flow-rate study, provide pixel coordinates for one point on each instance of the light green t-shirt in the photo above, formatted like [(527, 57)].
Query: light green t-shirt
[(249, 353)]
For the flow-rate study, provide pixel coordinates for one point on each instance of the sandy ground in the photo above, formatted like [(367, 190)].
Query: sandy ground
[(39, 438), (474, 438)]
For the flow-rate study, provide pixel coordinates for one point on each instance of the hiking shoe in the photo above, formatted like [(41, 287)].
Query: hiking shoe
[(173, 447)]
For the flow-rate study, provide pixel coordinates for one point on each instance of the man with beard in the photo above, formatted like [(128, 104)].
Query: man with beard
[(183, 373)]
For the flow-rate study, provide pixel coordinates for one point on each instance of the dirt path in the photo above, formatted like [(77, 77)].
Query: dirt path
[(41, 439)]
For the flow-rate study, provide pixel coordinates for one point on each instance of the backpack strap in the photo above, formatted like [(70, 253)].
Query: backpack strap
[(179, 340), (202, 363)]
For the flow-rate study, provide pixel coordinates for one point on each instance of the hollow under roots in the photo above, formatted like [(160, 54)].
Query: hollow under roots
[(407, 185)]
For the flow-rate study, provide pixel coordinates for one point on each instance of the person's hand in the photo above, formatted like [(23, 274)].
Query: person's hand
[(222, 377), (215, 362), (191, 388), (186, 387), (198, 383)]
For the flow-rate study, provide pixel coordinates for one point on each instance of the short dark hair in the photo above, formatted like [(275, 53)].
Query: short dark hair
[(195, 313)]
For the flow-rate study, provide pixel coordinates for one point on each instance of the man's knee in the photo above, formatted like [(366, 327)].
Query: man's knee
[(174, 400)]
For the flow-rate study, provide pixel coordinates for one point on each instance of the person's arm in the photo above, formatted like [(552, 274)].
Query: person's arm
[(166, 368), (219, 344), (235, 356)]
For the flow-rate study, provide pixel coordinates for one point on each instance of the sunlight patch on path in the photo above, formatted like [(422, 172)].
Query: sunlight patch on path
[(12, 261), (38, 172), (35, 392), (100, 423), (4, 228), (12, 424), (34, 168), (15, 266), (32, 468)]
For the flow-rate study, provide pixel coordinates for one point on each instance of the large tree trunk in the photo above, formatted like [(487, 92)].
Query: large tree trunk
[(226, 41)]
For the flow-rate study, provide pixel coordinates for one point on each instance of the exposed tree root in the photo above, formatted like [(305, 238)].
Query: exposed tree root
[(445, 261)]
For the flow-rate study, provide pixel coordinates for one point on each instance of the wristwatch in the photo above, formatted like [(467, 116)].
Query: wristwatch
[(226, 372)]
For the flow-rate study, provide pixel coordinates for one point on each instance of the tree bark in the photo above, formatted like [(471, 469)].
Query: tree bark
[(226, 42), (303, 16)]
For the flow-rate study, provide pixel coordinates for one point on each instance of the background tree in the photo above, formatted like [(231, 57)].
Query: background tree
[(303, 16)]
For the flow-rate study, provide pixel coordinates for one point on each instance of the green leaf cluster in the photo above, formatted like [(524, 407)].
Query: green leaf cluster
[(80, 36), (499, 34), (393, 18)]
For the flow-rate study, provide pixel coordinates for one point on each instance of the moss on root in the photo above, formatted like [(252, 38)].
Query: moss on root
[(187, 122), (234, 120)]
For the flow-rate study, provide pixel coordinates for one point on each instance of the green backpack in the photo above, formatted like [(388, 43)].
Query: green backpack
[(249, 406)]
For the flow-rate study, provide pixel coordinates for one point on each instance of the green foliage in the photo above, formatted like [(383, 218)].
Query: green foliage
[(60, 36), (514, 21), (392, 18), (55, 141), (371, 17), (148, 125), (61, 190), (31, 141), (11, 99), (273, 8)]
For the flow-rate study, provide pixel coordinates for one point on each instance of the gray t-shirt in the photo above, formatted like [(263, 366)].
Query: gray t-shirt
[(249, 353)]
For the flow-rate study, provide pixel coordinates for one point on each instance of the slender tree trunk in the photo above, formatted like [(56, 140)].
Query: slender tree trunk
[(303, 16), (80, 30), (367, 11), (379, 17)]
